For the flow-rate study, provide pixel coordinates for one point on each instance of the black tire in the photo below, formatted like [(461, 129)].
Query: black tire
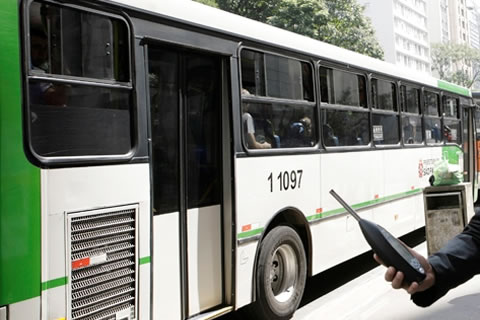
[(281, 275)]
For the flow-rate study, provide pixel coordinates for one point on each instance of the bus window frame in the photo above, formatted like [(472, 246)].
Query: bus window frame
[(420, 113), (331, 106), (458, 118), (28, 75), (271, 100), (385, 112), (438, 92)]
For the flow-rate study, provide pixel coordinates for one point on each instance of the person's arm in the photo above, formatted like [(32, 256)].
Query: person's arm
[(454, 264), (254, 144)]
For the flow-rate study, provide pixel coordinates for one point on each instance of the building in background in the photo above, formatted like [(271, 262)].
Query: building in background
[(438, 21), (402, 30)]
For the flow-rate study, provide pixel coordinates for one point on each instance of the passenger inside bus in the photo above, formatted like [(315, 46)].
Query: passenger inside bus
[(253, 141), (300, 133)]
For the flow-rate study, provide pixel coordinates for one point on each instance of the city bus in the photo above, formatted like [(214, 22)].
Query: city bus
[(168, 160)]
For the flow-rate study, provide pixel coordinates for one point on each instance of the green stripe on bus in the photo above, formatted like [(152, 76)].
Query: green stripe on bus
[(144, 260), (250, 233), (453, 88), (54, 283), (365, 204), (20, 234), (325, 214)]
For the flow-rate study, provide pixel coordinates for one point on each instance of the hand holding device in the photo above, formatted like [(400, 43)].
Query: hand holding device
[(389, 249)]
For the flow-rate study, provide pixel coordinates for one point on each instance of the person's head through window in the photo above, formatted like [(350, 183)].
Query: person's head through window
[(39, 50)]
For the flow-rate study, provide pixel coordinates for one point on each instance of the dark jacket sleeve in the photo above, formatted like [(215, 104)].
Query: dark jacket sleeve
[(454, 264)]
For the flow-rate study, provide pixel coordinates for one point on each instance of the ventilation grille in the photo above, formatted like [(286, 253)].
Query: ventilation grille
[(103, 270)]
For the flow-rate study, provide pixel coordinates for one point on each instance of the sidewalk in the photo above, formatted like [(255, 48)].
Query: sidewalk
[(370, 297)]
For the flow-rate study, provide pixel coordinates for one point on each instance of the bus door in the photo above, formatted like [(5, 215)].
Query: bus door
[(186, 157)]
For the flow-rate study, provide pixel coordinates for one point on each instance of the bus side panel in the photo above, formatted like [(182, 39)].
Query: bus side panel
[(266, 186), (83, 189), (354, 176), (19, 180)]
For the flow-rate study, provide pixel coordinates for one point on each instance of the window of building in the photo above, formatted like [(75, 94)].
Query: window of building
[(345, 116), (291, 121), (79, 87)]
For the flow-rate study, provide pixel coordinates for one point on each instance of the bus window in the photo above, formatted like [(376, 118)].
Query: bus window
[(253, 72), (384, 122), (290, 123), (342, 88), (431, 104), (80, 43), (451, 121), (450, 107), (432, 120), (411, 119), (410, 99), (275, 76), (280, 125), (345, 117), (384, 95), (77, 116)]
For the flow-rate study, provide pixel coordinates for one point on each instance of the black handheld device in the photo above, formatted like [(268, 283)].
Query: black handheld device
[(387, 247)]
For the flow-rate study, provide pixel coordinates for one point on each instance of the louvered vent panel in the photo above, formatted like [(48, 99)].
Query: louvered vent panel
[(103, 269)]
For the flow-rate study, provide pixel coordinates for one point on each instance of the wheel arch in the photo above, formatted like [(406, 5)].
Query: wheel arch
[(294, 218)]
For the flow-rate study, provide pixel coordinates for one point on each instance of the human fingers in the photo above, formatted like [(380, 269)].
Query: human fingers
[(390, 274), (413, 287), (397, 281), (377, 258)]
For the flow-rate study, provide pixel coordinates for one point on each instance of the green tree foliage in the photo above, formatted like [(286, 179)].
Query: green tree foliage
[(452, 61), (338, 22), (211, 3)]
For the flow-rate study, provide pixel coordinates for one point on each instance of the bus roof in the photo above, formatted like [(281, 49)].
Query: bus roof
[(193, 12)]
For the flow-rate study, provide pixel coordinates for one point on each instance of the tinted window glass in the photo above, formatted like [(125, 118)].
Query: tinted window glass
[(433, 132), (204, 131), (385, 129), (412, 129), (451, 131), (410, 99), (71, 42), (81, 119), (164, 117), (345, 128), (344, 88), (278, 126), (431, 103), (282, 77), (76, 120), (450, 107), (253, 72), (383, 95)]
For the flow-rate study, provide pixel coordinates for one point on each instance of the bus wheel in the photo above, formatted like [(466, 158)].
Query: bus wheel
[(281, 274)]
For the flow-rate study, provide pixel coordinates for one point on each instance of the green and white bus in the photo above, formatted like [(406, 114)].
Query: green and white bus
[(168, 160)]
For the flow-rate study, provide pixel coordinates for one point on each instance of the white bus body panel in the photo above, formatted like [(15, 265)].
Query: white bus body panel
[(204, 258), (86, 188), (388, 184), (166, 267)]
